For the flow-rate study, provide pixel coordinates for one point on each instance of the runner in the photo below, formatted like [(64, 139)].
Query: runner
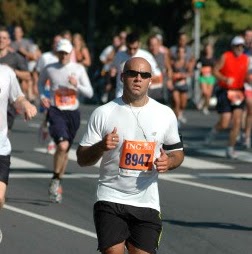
[(230, 94), (127, 211), (67, 79), (9, 90)]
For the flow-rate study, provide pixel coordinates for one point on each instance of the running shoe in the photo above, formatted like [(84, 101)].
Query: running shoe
[(205, 111), (247, 142), (182, 119), (230, 153), (210, 137), (55, 191)]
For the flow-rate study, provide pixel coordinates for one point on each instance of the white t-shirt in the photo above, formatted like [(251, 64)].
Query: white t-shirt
[(154, 121), (64, 95), (122, 56), (46, 58), (9, 90)]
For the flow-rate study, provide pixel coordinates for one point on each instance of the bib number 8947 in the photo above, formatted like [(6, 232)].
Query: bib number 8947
[(134, 159)]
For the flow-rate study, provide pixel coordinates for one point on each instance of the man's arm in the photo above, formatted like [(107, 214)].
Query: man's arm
[(21, 103), (216, 71), (89, 155), (169, 161)]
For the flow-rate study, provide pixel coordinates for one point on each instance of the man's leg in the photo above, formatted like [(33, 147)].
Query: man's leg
[(236, 126), (2, 193)]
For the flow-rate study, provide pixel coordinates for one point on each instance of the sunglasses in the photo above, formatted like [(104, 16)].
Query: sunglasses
[(239, 45), (134, 74)]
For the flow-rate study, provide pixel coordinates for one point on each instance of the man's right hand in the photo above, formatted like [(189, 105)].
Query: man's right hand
[(45, 102)]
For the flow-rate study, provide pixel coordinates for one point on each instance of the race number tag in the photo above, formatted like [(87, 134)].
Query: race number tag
[(236, 97), (136, 157), (65, 97)]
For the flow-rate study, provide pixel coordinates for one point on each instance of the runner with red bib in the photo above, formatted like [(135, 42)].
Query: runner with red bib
[(230, 71)]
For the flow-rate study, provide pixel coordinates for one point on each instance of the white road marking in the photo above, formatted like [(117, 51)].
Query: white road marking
[(205, 186), (17, 163), (84, 122), (188, 162), (51, 221), (71, 155), (48, 176), (161, 176), (242, 155), (34, 125), (194, 163)]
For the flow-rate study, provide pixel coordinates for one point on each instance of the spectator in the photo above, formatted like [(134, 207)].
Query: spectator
[(181, 71), (207, 79), (17, 62), (31, 52), (163, 61), (81, 50), (105, 90)]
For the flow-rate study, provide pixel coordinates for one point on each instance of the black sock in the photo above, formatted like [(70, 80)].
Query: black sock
[(56, 176)]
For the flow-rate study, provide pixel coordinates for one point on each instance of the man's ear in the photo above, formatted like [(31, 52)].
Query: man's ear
[(121, 77)]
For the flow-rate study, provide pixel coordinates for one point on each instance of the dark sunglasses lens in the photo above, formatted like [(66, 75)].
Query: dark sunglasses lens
[(145, 75), (133, 74)]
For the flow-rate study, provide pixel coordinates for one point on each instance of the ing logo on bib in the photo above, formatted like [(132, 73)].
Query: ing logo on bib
[(137, 155)]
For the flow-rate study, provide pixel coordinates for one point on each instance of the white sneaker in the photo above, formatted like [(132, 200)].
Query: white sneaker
[(205, 111), (182, 119), (55, 191), (247, 142), (210, 137), (230, 153)]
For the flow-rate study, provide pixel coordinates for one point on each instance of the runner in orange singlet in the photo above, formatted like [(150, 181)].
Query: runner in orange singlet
[(231, 71)]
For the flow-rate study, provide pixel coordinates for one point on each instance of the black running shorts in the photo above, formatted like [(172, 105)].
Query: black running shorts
[(4, 168), (63, 124), (116, 223)]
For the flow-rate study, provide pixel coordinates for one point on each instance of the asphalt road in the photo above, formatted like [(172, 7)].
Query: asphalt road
[(206, 203)]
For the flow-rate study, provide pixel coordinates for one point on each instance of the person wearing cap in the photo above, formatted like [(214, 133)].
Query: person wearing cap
[(67, 79), (230, 71), (245, 135)]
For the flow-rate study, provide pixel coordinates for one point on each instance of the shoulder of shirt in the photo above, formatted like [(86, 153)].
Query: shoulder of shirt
[(106, 108), (6, 68), (160, 105)]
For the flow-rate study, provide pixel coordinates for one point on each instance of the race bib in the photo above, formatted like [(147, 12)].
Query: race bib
[(65, 97), (136, 157), (236, 97)]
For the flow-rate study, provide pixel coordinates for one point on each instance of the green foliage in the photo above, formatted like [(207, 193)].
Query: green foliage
[(98, 20)]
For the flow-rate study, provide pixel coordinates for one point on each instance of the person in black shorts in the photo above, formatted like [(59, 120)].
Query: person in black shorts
[(9, 91), (134, 149)]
